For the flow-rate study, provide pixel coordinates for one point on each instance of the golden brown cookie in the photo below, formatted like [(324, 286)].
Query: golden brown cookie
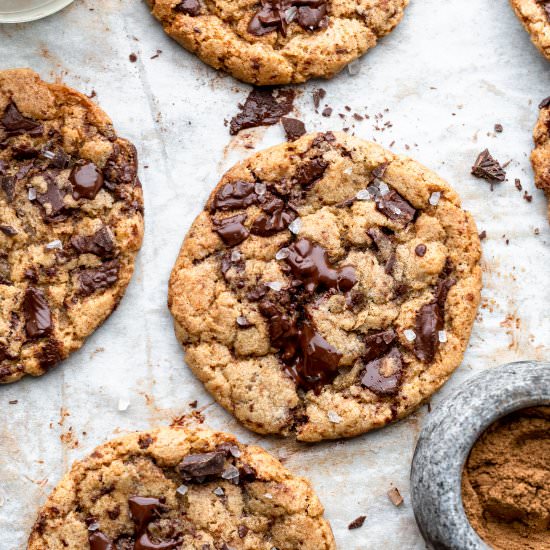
[(535, 17), (71, 221), (540, 157), (328, 288), (175, 488), (278, 41)]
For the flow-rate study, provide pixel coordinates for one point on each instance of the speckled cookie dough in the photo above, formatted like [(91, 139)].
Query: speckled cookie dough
[(175, 488), (278, 41), (535, 17), (71, 221), (328, 288), (540, 157)]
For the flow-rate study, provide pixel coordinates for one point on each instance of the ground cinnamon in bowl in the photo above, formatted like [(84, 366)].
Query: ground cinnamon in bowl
[(506, 482)]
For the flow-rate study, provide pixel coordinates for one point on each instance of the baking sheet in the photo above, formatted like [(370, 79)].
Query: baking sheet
[(446, 75)]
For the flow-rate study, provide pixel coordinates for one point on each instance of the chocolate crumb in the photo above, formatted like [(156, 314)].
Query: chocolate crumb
[(483, 235), (133, 57), (14, 402), (327, 112), (293, 127), (518, 185), (318, 95), (488, 168), (193, 404), (357, 522), (498, 128)]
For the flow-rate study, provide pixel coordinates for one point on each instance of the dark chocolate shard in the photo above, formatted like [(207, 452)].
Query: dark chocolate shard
[(294, 128), (545, 103), (488, 168), (235, 196), (263, 107), (198, 466), (8, 230), (378, 344), (357, 522), (37, 312), (383, 376), (16, 124), (189, 7), (309, 264), (395, 207), (8, 186), (101, 243), (99, 541), (98, 278), (52, 199), (309, 172), (231, 230), (276, 217)]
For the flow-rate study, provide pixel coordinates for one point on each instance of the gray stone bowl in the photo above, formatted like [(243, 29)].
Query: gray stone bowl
[(447, 437)]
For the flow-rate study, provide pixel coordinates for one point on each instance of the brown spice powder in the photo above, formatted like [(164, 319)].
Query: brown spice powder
[(506, 482)]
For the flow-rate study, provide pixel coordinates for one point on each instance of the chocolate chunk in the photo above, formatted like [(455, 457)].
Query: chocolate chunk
[(488, 168), (50, 354), (499, 128), (420, 250), (52, 200), (318, 95), (8, 230), (383, 242), (98, 278), (256, 293), (275, 218), (277, 15), (382, 376), (357, 522), (198, 466), (144, 510), (100, 243), (87, 180), (378, 344), (16, 124), (395, 207), (242, 530), (99, 541), (38, 315), (294, 128), (8, 185), (234, 196), (231, 230), (24, 151), (429, 321), (227, 262), (309, 172), (380, 170), (309, 264), (121, 167), (355, 300), (263, 107), (189, 7), (544, 103), (57, 158), (327, 112)]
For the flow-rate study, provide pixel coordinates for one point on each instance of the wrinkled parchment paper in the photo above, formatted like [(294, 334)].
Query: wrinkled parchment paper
[(447, 74)]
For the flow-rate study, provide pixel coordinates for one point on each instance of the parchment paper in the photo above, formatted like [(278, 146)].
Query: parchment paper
[(447, 74)]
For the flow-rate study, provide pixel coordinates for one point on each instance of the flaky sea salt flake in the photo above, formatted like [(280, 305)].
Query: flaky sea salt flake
[(410, 335), (434, 198), (334, 417), (182, 490), (282, 254), (235, 256), (363, 195), (218, 491), (295, 226), (123, 405), (260, 188), (32, 193), (354, 68), (54, 244), (275, 285), (442, 336)]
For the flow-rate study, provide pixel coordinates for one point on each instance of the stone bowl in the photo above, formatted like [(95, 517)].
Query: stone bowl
[(447, 437)]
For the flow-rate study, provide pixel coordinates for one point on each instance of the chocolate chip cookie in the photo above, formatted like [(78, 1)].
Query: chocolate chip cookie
[(174, 488), (328, 288), (535, 17), (71, 221), (540, 157), (278, 41)]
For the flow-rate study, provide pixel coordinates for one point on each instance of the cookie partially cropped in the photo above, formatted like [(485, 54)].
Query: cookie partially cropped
[(535, 17), (278, 41), (174, 488), (328, 288), (540, 157), (71, 221)]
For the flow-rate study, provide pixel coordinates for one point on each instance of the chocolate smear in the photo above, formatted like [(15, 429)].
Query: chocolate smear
[(87, 180), (263, 107), (37, 312), (309, 264), (293, 127), (231, 230), (395, 207), (276, 217), (488, 168), (101, 243), (144, 510), (189, 7), (98, 278), (197, 467), (16, 124), (235, 196), (382, 376)]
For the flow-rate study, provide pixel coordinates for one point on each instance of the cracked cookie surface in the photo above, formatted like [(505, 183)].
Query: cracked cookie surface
[(540, 157), (181, 489), (278, 41), (535, 17), (71, 221), (329, 287)]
